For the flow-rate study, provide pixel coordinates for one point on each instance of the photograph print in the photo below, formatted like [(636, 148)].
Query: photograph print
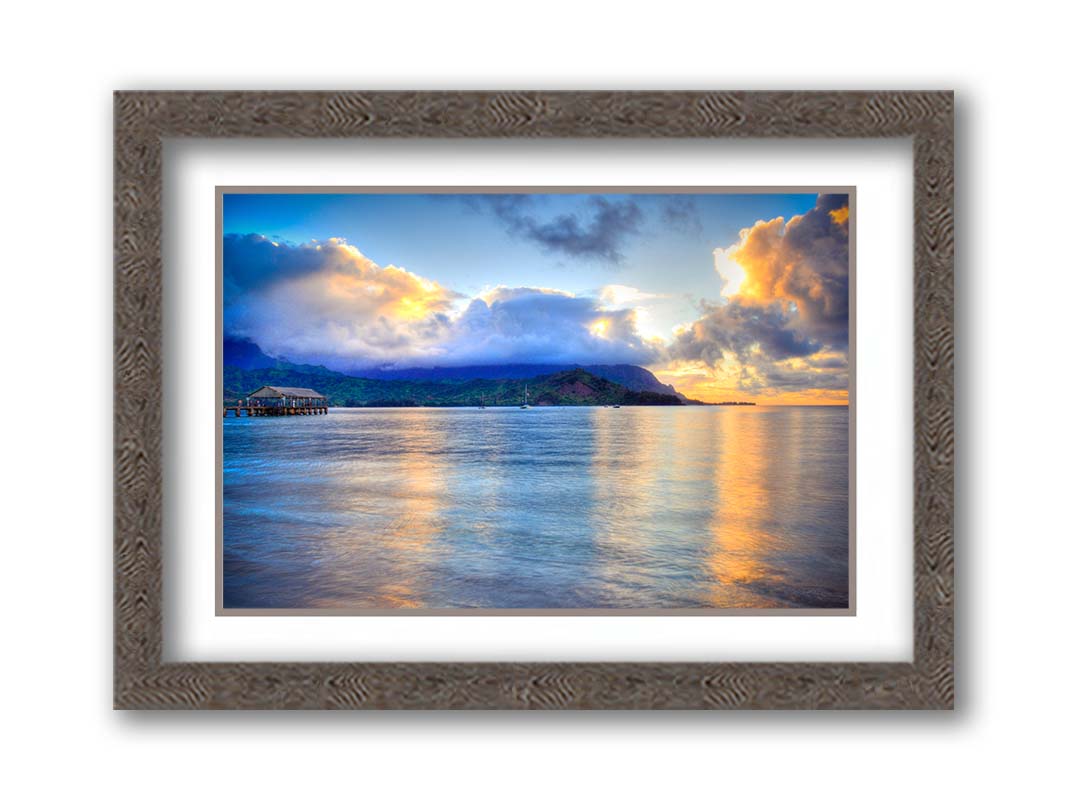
[(532, 400)]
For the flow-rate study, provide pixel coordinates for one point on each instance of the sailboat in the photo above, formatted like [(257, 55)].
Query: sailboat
[(526, 397), (483, 402)]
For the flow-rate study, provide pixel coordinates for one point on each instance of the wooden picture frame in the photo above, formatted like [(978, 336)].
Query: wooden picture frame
[(143, 680)]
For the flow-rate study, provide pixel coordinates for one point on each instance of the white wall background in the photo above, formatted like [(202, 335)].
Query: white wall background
[(59, 66)]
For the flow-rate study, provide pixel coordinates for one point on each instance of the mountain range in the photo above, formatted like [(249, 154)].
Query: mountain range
[(247, 367), (575, 387)]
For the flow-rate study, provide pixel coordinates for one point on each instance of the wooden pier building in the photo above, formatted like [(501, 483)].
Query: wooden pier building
[(279, 401)]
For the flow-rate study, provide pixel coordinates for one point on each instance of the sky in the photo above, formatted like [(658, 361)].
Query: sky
[(724, 296)]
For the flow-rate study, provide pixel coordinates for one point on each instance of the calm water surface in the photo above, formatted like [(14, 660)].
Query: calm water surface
[(634, 507)]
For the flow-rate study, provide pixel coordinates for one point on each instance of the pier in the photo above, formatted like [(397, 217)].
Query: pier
[(272, 411), (279, 401)]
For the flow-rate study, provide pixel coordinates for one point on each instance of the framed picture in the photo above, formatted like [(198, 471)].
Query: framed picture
[(534, 400)]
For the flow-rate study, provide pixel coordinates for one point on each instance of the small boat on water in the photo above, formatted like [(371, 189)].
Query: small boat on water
[(483, 402), (526, 397), (615, 406)]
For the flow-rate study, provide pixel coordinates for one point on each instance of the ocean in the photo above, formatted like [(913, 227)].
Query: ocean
[(638, 507)]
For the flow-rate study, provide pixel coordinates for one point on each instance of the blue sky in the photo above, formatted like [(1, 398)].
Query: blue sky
[(561, 276)]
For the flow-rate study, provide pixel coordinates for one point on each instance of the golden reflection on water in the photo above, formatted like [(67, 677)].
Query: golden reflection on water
[(727, 453), (739, 544), (412, 479), (420, 475)]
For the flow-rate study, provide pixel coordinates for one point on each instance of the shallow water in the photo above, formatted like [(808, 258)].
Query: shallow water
[(633, 507)]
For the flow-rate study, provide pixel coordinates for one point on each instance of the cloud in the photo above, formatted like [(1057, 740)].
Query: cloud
[(746, 330), (531, 325), (617, 295), (327, 303), (597, 234), (802, 263), (680, 213), (783, 325)]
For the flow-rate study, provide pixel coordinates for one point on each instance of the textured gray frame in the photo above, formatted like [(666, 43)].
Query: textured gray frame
[(142, 680)]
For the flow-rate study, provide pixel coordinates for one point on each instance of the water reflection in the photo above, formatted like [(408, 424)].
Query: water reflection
[(411, 521), (547, 508), (739, 543)]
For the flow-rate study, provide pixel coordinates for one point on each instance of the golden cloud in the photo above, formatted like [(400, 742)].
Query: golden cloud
[(344, 302), (782, 331), (349, 282), (801, 264)]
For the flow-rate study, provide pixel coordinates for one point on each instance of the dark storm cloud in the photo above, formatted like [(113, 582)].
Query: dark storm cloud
[(251, 261), (598, 234)]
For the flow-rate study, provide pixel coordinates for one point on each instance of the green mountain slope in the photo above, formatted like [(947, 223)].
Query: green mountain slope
[(574, 387)]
